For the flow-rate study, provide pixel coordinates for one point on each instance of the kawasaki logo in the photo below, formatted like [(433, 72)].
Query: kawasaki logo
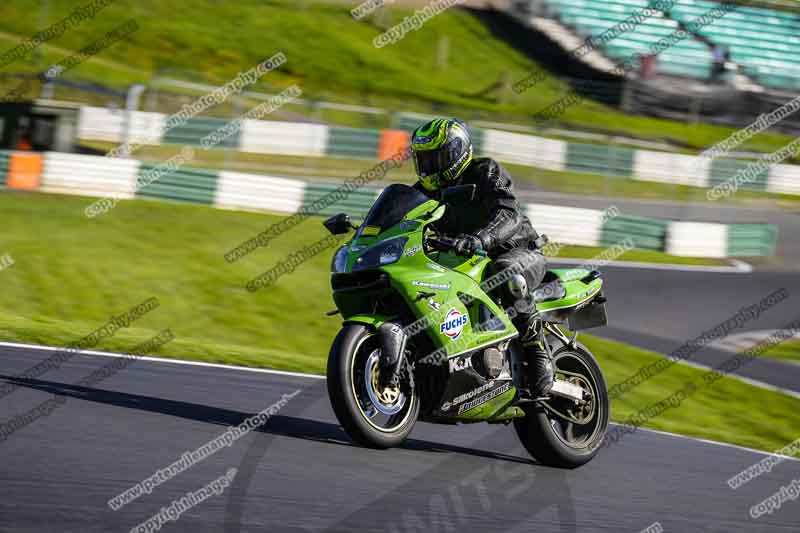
[(460, 363)]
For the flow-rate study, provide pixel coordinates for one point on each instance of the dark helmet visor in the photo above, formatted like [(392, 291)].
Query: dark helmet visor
[(429, 162)]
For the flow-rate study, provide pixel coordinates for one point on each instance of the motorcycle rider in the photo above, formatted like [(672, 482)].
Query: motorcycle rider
[(443, 156)]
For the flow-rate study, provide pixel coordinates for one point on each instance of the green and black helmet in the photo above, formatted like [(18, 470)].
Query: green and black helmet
[(442, 150)]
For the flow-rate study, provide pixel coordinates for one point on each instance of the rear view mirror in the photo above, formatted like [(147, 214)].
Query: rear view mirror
[(458, 194), (338, 224)]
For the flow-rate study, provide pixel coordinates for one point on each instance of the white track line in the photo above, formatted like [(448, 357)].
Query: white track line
[(740, 342), (35, 347), (716, 443), (165, 360), (738, 267), (749, 381)]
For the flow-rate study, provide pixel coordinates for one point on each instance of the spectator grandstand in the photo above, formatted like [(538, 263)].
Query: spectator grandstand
[(764, 43)]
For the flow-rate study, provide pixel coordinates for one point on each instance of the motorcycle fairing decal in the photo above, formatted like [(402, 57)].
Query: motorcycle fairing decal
[(434, 266), (457, 364), (428, 285), (467, 395), (408, 225), (477, 260), (413, 250), (370, 230), (485, 398), (454, 323)]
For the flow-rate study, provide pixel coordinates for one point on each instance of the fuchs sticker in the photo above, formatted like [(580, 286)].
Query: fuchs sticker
[(427, 285), (413, 250), (485, 398), (453, 324)]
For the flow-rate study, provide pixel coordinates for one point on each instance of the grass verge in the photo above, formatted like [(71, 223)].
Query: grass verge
[(787, 351), (636, 255)]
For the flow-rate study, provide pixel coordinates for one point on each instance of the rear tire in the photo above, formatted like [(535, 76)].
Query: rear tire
[(546, 436), (351, 357)]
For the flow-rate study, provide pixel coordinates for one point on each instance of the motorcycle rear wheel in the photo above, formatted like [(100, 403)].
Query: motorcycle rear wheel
[(557, 433), (373, 417)]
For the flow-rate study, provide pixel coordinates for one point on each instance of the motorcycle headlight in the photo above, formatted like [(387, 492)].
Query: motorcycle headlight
[(381, 254), (339, 262)]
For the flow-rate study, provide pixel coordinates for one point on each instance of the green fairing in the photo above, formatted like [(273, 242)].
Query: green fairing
[(373, 321), (577, 291)]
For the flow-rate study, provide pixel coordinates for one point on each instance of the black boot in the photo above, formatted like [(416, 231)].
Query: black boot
[(541, 374)]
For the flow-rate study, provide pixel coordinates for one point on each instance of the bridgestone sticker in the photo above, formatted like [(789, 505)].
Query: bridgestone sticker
[(485, 398)]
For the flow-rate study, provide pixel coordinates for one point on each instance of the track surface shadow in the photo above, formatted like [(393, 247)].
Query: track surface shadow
[(278, 425)]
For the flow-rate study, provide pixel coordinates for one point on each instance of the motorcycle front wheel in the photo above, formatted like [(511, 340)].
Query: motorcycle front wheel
[(372, 416)]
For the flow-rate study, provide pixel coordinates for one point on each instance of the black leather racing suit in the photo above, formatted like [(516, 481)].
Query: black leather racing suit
[(504, 231)]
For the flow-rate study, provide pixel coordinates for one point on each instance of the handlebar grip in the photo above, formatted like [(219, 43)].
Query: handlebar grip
[(442, 244), (446, 244)]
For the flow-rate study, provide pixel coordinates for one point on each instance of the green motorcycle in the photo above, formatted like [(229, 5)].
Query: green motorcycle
[(422, 339)]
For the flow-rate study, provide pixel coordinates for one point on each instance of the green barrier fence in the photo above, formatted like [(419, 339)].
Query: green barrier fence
[(196, 128), (4, 157), (598, 159), (750, 240), (723, 170), (477, 136), (184, 184), (646, 233), (352, 142), (403, 121)]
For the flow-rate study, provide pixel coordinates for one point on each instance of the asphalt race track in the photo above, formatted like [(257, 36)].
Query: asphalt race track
[(300, 473), (660, 310)]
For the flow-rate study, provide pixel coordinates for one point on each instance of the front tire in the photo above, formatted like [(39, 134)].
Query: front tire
[(572, 440), (371, 417)]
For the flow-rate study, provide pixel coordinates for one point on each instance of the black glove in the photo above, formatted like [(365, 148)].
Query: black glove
[(467, 244)]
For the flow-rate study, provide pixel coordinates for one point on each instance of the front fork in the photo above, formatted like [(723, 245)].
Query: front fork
[(393, 340)]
